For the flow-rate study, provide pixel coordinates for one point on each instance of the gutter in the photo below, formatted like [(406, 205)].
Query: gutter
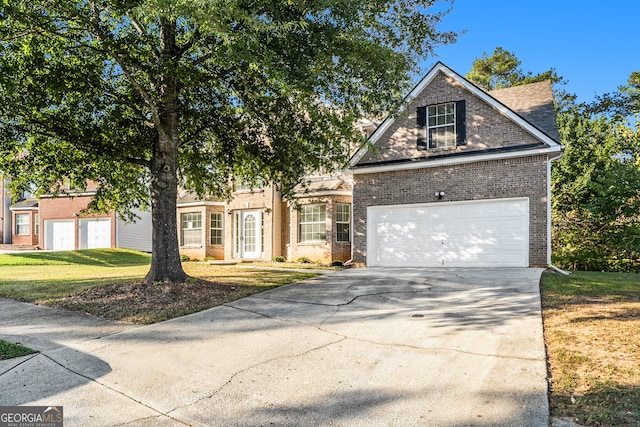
[(550, 266)]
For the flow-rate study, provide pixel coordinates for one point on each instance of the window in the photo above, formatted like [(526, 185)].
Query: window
[(22, 224), (240, 185), (216, 228), (312, 223), (191, 228), (36, 224), (343, 222), (441, 125)]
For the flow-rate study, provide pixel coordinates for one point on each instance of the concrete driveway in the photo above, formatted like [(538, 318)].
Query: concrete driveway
[(362, 347)]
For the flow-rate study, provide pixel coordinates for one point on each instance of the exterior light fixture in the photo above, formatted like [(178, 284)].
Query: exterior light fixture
[(440, 194)]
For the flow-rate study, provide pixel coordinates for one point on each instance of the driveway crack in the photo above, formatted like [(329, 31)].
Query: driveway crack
[(121, 393), (255, 365)]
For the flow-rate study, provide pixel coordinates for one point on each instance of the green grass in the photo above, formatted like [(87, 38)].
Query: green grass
[(88, 257), (591, 322), (10, 350), (46, 276), (103, 282), (614, 286)]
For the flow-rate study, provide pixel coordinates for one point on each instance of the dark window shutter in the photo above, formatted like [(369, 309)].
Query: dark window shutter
[(422, 128), (461, 123)]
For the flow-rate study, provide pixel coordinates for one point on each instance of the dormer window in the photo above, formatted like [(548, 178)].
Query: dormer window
[(441, 126)]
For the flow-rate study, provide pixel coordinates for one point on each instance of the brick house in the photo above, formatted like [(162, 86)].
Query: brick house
[(59, 223), (462, 178), (258, 224)]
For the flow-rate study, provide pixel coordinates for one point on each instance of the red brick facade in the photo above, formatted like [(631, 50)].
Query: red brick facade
[(494, 179), (277, 231), (503, 156), (69, 208)]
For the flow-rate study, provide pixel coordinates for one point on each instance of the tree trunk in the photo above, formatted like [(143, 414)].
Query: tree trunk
[(165, 259)]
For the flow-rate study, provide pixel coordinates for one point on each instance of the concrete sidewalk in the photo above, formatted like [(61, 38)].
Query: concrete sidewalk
[(362, 347)]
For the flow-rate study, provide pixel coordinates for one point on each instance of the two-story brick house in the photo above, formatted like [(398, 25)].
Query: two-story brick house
[(60, 223), (461, 179)]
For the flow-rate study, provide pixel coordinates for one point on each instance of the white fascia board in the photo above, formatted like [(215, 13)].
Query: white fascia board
[(65, 194), (24, 209), (500, 107), (323, 193), (450, 161), (201, 203), (471, 88)]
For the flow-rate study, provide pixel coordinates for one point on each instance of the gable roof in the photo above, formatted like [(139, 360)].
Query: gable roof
[(534, 103), (534, 116)]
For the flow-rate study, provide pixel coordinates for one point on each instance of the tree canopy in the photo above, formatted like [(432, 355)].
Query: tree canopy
[(596, 183), (502, 70), (144, 96)]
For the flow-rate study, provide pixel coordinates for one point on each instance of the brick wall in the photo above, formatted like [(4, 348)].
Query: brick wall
[(328, 250), (69, 207), (494, 179), (486, 127), (30, 239), (205, 249)]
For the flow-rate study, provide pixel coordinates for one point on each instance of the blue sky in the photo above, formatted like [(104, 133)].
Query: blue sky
[(593, 45)]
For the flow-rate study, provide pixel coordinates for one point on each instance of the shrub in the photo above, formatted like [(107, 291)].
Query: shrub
[(304, 260), (279, 259), (184, 258)]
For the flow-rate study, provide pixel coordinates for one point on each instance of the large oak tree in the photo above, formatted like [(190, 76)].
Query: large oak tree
[(147, 96)]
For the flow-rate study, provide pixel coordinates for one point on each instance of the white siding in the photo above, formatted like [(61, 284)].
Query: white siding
[(135, 235)]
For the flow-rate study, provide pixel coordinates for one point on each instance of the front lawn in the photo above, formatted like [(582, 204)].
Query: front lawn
[(592, 333), (107, 283)]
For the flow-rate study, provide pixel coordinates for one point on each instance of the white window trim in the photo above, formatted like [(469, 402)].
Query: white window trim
[(191, 228), (429, 127), (301, 223), (212, 228), (26, 224), (348, 221)]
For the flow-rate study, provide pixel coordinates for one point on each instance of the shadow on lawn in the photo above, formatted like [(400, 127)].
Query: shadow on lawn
[(97, 257), (614, 405)]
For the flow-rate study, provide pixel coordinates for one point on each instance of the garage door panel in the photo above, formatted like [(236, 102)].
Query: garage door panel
[(478, 233), (95, 233), (59, 235)]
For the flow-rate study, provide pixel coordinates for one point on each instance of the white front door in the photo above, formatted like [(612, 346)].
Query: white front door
[(248, 234)]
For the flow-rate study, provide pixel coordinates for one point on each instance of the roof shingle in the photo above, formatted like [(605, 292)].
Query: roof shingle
[(534, 103)]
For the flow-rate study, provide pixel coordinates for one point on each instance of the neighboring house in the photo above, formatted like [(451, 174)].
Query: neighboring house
[(461, 179), (258, 224), (58, 223)]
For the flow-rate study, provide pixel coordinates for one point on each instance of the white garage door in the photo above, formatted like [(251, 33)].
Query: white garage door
[(60, 235), (487, 233), (95, 233)]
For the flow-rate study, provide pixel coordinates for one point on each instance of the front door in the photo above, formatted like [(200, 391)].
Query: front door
[(248, 234)]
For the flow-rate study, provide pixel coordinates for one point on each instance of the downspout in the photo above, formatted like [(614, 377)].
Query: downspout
[(349, 181), (550, 266)]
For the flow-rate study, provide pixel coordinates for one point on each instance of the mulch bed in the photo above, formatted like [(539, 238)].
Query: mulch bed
[(136, 302)]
